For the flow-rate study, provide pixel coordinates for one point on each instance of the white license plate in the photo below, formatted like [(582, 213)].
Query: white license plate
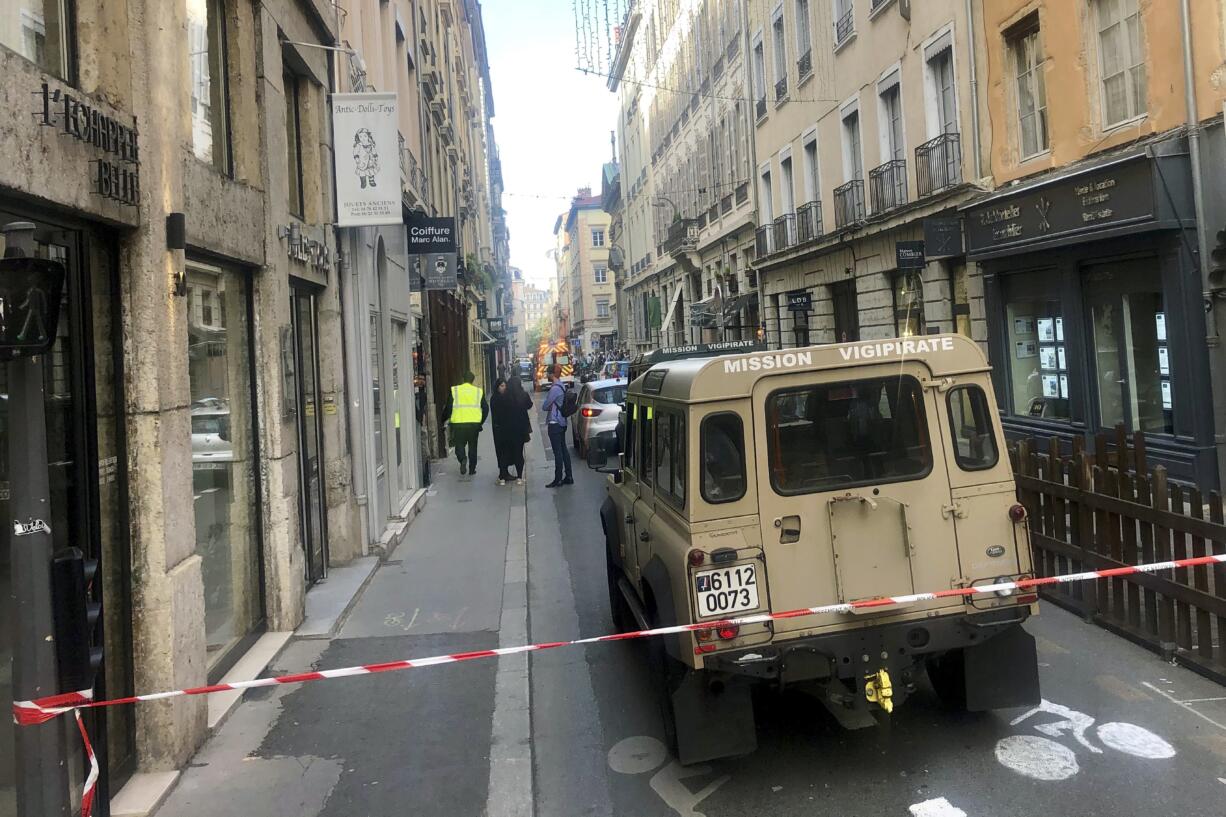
[(726, 590)]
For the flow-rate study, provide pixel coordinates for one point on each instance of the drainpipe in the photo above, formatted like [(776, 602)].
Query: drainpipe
[(971, 61), (1213, 340), (752, 126)]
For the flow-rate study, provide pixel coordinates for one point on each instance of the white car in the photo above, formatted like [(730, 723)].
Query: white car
[(600, 404), (211, 439)]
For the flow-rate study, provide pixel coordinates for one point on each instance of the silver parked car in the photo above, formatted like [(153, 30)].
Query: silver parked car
[(600, 404)]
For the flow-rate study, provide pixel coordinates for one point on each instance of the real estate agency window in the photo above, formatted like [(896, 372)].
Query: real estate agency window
[(293, 143), (1026, 51), (206, 42), (1039, 365), (908, 303), (38, 30), (1121, 58), (1132, 358)]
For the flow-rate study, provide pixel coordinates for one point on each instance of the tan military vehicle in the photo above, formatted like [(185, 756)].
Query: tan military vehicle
[(773, 481)]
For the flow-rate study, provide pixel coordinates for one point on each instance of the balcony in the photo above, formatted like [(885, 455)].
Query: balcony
[(764, 240), (742, 192), (760, 107), (781, 89), (804, 66), (844, 27), (888, 185), (682, 237), (849, 203), (809, 222), (785, 232), (938, 164)]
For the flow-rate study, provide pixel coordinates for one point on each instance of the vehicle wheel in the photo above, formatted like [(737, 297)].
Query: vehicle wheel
[(948, 676), (666, 674), (623, 620)]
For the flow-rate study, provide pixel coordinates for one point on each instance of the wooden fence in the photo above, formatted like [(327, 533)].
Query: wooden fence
[(1107, 508)]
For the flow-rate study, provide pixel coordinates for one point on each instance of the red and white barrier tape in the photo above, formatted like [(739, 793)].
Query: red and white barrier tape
[(28, 713)]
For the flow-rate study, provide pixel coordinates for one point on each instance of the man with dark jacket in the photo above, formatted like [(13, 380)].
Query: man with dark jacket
[(465, 410), (555, 422)]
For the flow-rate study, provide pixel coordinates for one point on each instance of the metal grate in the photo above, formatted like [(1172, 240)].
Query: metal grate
[(888, 185), (809, 222), (938, 164), (849, 203), (845, 26)]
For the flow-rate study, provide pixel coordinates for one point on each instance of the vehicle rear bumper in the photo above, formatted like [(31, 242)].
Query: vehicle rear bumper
[(850, 654)]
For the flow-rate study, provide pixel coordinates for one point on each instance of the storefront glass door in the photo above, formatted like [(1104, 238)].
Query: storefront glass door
[(312, 501)]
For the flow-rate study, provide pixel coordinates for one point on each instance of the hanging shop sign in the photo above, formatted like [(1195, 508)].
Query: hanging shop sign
[(430, 235), (909, 254), (115, 174), (800, 300), (366, 145), (439, 271), (943, 237)]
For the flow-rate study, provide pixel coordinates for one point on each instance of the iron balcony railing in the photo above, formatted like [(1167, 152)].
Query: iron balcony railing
[(808, 222), (938, 164), (760, 107), (845, 26), (804, 65), (849, 203), (764, 240), (785, 232), (888, 185), (781, 88)]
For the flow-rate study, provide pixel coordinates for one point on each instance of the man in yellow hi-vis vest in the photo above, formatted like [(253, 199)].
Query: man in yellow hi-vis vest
[(466, 410)]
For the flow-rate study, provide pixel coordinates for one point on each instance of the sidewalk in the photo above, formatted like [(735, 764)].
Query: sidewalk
[(423, 741)]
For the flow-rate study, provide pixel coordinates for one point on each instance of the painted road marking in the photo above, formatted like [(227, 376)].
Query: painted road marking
[(1134, 740), (1037, 758), (940, 807), (1184, 704), (642, 754)]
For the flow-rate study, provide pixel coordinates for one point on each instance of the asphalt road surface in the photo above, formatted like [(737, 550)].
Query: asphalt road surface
[(1121, 733)]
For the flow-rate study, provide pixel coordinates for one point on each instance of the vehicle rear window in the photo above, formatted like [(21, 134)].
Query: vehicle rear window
[(837, 435), (970, 420), (723, 458), (610, 395)]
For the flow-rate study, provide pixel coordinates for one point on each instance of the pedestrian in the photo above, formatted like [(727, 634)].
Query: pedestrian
[(465, 411), (512, 428), (555, 422)]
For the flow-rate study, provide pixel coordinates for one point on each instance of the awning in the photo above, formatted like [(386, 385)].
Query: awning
[(734, 304), (672, 310)]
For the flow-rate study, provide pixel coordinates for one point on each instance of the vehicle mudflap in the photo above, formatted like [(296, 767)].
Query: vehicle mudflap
[(1002, 672), (713, 720)]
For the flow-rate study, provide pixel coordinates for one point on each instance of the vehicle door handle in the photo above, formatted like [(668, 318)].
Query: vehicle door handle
[(644, 536), (789, 529)]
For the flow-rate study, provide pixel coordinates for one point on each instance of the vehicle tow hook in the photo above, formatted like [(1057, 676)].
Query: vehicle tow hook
[(879, 689)]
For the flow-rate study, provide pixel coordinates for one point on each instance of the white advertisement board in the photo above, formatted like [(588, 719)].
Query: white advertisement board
[(366, 144)]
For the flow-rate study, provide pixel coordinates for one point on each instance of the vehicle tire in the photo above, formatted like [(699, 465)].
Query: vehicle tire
[(623, 619), (666, 673), (947, 673)]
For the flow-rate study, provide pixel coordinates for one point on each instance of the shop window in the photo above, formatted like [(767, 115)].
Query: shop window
[(1121, 56), (223, 487), (1038, 363), (800, 329), (723, 458), (206, 42), (1131, 358), (908, 304), (38, 30), (970, 421), (293, 144), (838, 435)]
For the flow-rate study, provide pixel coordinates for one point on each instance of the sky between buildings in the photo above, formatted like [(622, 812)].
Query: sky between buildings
[(552, 122)]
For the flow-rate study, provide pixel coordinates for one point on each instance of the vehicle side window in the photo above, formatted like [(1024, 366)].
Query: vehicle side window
[(970, 420), (670, 456), (631, 439), (646, 438), (664, 445), (722, 452)]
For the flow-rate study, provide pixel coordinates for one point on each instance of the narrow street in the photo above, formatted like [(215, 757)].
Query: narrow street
[(455, 740)]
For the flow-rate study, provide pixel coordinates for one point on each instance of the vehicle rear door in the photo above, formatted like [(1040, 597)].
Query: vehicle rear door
[(853, 494)]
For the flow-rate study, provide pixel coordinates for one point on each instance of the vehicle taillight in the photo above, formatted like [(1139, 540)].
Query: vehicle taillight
[(1018, 513), (730, 632), (1028, 598), (590, 412), (705, 634), (697, 557)]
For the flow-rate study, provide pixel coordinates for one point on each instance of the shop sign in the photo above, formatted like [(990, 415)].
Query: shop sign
[(366, 151), (430, 235), (439, 271), (800, 301), (943, 237), (495, 326), (909, 254), (1119, 194), (116, 174)]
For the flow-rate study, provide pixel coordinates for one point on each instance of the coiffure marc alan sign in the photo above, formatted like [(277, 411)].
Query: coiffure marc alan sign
[(366, 147)]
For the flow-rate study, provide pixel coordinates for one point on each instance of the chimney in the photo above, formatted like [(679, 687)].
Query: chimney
[(585, 192)]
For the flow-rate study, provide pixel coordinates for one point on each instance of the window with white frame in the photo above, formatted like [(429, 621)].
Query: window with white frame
[(1121, 57), (804, 38), (759, 77), (597, 238), (786, 185), (844, 20), (768, 198), (812, 179), (601, 274), (853, 157), (942, 95), (1026, 50), (779, 43), (889, 95), (602, 309)]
